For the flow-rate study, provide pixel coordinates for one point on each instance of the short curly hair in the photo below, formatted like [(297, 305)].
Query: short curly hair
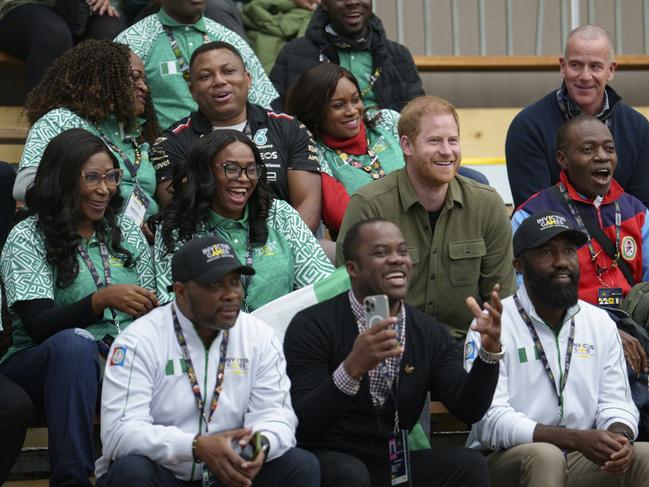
[(93, 79)]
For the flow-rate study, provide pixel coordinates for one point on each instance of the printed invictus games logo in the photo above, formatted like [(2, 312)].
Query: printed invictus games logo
[(217, 251), (551, 221), (270, 248), (583, 350), (238, 366)]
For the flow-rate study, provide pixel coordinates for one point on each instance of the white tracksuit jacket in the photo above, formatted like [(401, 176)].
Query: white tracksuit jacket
[(597, 392), (147, 405)]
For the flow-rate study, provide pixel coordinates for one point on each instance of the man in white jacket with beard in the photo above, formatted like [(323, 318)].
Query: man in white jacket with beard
[(196, 392), (562, 413)]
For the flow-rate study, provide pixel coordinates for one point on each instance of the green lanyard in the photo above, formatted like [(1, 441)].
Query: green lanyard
[(182, 62)]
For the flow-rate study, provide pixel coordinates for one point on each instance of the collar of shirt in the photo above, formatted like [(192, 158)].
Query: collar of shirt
[(114, 128), (240, 127), (409, 196), (615, 191), (526, 302), (604, 105), (165, 19), (216, 220)]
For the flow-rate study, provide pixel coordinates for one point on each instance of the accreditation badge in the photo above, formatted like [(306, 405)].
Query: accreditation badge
[(609, 297), (399, 456), (137, 205)]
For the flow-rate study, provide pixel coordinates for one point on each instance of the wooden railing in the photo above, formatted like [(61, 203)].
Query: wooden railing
[(512, 63)]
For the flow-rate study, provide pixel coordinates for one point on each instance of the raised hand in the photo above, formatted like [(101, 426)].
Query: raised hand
[(487, 320)]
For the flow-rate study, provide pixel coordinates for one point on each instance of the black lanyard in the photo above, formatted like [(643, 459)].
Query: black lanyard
[(542, 355), (618, 226), (105, 261), (191, 374), (182, 62), (132, 167)]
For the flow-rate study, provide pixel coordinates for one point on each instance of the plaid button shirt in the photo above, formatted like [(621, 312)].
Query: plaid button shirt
[(382, 376)]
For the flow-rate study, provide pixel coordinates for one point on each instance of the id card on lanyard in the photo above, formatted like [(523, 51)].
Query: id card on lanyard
[(137, 205), (398, 447), (138, 202), (208, 478), (105, 261)]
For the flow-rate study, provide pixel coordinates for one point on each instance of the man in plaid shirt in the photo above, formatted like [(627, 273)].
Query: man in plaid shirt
[(358, 390)]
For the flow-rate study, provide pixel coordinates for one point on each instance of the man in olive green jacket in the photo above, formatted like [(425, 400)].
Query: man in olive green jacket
[(458, 230)]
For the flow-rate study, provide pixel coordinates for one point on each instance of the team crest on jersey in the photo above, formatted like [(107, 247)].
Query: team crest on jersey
[(470, 350), (629, 248), (260, 137), (118, 357)]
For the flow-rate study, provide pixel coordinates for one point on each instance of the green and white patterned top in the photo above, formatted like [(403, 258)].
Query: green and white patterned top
[(290, 259), (59, 120), (28, 275), (383, 140), (169, 89)]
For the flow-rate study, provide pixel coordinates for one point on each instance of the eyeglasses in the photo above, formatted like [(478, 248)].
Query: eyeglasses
[(233, 171), (94, 178)]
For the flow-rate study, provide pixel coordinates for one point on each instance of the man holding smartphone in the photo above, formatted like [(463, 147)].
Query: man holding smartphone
[(196, 393), (358, 390)]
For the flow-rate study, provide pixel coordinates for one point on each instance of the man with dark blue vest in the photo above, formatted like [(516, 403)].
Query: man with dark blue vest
[(586, 68)]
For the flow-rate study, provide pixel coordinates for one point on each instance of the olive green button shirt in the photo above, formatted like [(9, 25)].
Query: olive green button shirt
[(469, 251)]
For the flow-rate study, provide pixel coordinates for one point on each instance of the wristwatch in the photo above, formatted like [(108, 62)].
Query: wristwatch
[(264, 445), (490, 357)]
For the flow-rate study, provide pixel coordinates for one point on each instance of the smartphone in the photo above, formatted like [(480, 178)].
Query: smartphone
[(250, 451), (377, 309)]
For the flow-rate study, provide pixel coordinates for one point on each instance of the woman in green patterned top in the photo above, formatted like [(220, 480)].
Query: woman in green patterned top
[(74, 278), (222, 190), (98, 86), (355, 147)]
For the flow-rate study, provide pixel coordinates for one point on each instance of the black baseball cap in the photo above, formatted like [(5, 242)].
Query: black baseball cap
[(206, 260), (543, 226)]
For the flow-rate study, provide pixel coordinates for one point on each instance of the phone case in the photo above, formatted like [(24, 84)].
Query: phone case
[(376, 309)]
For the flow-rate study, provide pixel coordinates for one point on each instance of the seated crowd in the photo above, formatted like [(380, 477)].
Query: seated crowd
[(167, 208)]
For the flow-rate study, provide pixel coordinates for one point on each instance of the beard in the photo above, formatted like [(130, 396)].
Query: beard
[(550, 294), (206, 319)]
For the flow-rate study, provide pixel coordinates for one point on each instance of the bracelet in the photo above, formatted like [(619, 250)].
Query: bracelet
[(490, 357), (194, 445)]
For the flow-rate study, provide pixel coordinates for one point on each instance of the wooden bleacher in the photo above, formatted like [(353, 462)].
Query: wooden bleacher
[(483, 139), (512, 63)]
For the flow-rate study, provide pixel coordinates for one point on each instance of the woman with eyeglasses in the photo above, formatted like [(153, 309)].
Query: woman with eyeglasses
[(74, 279), (222, 190), (99, 86), (354, 147)]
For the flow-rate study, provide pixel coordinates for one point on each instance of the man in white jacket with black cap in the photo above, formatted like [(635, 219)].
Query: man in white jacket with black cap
[(195, 393), (562, 413)]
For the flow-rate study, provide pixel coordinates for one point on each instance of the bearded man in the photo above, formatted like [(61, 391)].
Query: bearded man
[(562, 413)]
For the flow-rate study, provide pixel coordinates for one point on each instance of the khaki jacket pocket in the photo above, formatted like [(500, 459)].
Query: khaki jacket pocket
[(465, 260)]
